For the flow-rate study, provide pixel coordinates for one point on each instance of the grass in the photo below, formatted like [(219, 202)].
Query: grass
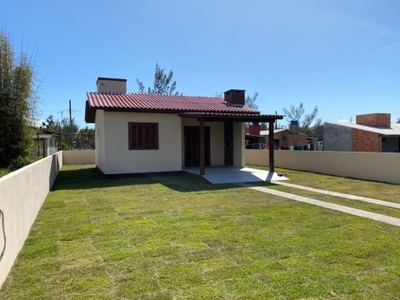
[(177, 238), (4, 172), (377, 190), (371, 189)]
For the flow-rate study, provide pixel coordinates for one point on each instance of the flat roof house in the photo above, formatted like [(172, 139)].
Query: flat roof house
[(370, 133), (151, 133)]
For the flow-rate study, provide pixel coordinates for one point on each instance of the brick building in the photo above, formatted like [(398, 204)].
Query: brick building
[(370, 133), (286, 138)]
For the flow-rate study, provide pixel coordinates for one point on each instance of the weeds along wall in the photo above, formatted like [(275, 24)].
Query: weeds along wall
[(22, 194), (383, 167)]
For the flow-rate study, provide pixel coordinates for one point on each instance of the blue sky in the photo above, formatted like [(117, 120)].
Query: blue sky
[(342, 56)]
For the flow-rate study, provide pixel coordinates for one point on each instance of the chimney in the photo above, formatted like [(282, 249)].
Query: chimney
[(254, 129), (374, 120), (111, 85), (235, 97)]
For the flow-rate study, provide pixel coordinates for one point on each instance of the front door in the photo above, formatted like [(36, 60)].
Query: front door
[(192, 146), (228, 143)]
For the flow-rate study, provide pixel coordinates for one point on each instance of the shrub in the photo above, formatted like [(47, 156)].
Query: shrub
[(20, 162)]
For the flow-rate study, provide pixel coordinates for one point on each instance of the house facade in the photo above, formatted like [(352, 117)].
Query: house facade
[(148, 133), (370, 133)]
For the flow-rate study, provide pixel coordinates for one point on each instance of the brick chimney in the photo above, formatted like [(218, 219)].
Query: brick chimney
[(374, 120), (254, 129), (235, 97), (111, 85)]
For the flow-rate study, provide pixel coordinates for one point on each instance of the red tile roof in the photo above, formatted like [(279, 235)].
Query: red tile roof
[(146, 102), (210, 108)]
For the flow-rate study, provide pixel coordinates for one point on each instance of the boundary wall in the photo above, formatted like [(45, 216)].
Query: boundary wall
[(22, 194), (376, 166), (79, 157)]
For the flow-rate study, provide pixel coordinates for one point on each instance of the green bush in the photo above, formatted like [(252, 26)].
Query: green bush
[(20, 162)]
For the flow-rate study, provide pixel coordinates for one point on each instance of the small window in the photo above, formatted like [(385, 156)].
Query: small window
[(143, 136)]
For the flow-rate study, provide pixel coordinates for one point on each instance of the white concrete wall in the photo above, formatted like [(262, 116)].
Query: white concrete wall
[(120, 160), (382, 167), (100, 156), (22, 195), (238, 144), (79, 157)]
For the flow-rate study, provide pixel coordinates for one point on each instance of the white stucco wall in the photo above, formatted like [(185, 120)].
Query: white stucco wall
[(363, 165), (100, 140), (118, 159), (22, 195), (79, 157), (110, 85), (238, 144)]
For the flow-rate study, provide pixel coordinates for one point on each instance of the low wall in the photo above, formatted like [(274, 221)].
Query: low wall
[(22, 194), (382, 167), (79, 157)]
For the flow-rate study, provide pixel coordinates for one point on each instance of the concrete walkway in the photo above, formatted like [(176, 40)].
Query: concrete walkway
[(227, 174), (341, 208), (341, 195)]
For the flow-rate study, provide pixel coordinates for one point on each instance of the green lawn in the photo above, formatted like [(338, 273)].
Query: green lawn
[(377, 190), (177, 238)]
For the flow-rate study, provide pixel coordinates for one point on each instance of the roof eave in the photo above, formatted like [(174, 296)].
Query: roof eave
[(90, 113), (232, 116)]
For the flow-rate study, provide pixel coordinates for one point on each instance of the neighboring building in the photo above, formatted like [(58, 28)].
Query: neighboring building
[(147, 133), (253, 139), (45, 143), (370, 133), (287, 137)]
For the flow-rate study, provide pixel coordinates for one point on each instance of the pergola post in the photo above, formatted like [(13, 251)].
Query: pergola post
[(202, 148), (271, 146)]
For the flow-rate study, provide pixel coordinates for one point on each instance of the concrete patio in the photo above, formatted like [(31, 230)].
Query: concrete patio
[(226, 174)]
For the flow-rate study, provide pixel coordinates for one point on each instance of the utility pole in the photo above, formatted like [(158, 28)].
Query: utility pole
[(59, 129), (70, 123)]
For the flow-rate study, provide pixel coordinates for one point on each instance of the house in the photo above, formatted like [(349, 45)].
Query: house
[(287, 137), (149, 133), (45, 143), (370, 133)]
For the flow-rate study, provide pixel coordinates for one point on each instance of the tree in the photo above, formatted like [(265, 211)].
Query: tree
[(250, 101), (263, 126), (162, 84), (51, 125), (87, 138), (18, 101), (398, 120), (317, 130), (69, 129), (305, 120)]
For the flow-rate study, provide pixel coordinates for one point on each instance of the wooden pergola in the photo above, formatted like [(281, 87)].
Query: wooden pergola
[(233, 117)]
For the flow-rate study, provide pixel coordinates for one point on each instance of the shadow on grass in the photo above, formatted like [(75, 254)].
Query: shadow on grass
[(90, 178)]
